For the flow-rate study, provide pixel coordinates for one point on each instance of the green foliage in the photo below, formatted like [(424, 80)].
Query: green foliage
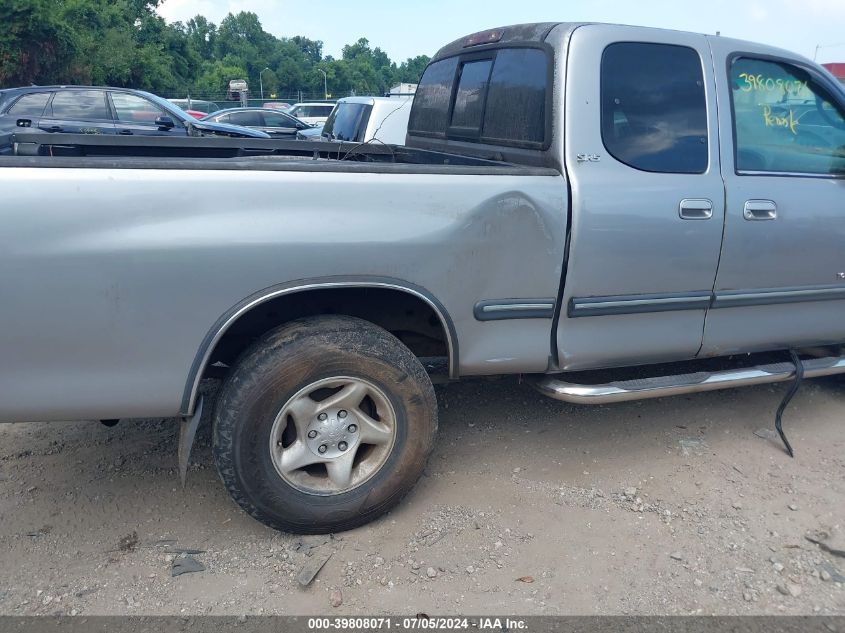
[(125, 43)]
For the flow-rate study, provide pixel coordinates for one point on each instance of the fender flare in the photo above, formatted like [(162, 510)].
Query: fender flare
[(221, 326)]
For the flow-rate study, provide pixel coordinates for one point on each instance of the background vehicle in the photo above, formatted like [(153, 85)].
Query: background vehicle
[(314, 133), (364, 119), (277, 105), (569, 205), (313, 113), (90, 110), (273, 122), (198, 106)]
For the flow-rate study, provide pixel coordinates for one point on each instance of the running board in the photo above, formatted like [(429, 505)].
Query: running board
[(660, 386)]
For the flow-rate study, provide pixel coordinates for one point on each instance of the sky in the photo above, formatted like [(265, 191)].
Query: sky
[(406, 29)]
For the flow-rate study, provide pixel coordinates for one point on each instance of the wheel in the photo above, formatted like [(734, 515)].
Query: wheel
[(323, 425)]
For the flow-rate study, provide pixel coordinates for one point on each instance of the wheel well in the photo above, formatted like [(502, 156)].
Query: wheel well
[(408, 317)]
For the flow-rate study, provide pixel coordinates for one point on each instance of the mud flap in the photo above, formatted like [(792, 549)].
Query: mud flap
[(187, 433)]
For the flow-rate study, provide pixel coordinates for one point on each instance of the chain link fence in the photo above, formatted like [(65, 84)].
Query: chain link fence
[(212, 101)]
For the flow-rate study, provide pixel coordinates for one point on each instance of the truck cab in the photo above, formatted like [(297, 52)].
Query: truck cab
[(696, 166)]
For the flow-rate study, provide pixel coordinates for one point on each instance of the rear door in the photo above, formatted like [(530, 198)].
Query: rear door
[(641, 150), (78, 112), (781, 280)]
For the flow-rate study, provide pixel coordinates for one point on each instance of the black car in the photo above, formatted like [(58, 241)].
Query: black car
[(91, 110), (274, 122)]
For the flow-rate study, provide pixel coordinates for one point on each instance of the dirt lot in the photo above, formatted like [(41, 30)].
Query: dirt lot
[(528, 506)]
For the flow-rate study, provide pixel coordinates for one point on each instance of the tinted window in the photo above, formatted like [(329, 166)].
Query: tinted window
[(348, 122), (516, 103), (30, 105), (134, 109), (313, 111), (246, 118), (470, 95), (277, 119), (80, 105), (430, 114), (784, 121), (653, 107)]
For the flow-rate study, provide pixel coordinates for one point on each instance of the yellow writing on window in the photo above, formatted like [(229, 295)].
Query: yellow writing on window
[(759, 83), (786, 121)]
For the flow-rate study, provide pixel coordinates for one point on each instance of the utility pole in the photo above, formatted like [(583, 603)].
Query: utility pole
[(261, 81), (325, 84), (821, 46)]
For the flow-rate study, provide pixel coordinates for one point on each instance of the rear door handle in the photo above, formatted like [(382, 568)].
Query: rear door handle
[(759, 210), (696, 209), (126, 132)]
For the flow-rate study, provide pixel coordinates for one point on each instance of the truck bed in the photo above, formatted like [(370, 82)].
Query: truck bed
[(35, 149)]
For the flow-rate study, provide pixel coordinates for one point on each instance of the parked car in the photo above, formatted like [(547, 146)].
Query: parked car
[(93, 110), (314, 113), (274, 122), (575, 204), (366, 119), (277, 105), (311, 134), (192, 106)]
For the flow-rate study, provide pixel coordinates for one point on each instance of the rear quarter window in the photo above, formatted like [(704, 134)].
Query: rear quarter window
[(30, 104), (654, 107)]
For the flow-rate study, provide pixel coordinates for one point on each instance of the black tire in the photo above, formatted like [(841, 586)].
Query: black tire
[(278, 366)]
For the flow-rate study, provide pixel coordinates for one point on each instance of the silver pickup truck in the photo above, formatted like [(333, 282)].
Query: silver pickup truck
[(613, 212)]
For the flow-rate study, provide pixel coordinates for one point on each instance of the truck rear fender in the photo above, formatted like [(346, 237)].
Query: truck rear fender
[(408, 311)]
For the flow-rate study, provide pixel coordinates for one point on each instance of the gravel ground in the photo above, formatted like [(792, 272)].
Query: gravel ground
[(686, 505)]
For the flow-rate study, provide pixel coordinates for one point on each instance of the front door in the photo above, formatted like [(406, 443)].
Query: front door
[(781, 280), (642, 157), (135, 115)]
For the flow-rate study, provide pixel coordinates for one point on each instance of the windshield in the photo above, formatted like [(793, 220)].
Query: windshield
[(348, 122)]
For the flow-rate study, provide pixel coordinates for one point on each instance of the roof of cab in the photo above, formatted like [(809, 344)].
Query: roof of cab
[(532, 32)]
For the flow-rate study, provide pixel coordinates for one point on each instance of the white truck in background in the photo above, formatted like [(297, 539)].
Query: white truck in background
[(367, 119)]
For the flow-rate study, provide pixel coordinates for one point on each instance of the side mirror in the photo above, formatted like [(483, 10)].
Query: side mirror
[(165, 123)]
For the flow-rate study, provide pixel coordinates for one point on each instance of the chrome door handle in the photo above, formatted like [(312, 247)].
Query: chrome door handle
[(696, 209), (757, 210)]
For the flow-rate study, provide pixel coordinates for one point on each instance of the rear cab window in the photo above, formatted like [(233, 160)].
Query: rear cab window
[(497, 97), (654, 107)]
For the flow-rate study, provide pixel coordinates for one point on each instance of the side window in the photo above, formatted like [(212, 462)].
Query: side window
[(784, 121), (430, 114), (470, 96), (134, 109), (80, 105), (516, 103), (272, 119), (654, 108), (246, 118), (30, 105)]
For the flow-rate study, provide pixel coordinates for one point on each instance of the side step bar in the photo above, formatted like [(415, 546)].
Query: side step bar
[(660, 386)]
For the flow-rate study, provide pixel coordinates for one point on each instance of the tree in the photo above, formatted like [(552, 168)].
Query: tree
[(126, 43), (35, 45)]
